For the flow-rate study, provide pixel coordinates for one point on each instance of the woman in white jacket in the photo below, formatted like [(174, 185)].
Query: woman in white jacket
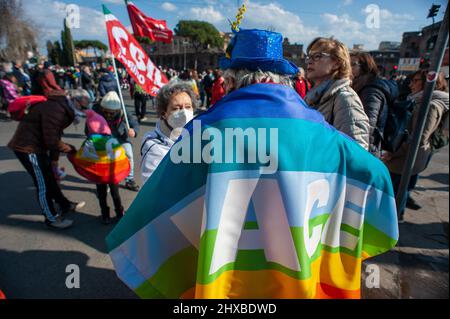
[(175, 105)]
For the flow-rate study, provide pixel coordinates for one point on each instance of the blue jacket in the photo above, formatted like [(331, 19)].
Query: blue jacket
[(106, 84)]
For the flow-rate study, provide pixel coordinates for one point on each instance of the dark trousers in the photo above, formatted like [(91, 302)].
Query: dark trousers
[(48, 190), (396, 184), (202, 98), (102, 191), (208, 99), (140, 105)]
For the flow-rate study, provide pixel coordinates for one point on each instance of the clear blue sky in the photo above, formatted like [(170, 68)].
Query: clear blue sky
[(299, 20)]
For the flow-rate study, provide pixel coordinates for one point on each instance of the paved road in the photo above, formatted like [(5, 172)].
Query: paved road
[(33, 259), (418, 266)]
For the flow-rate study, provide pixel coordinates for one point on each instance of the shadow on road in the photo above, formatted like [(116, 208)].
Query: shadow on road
[(438, 177), (437, 189), (427, 236), (19, 213), (76, 179), (86, 228), (423, 276), (42, 274), (6, 153), (79, 189), (414, 275), (17, 186), (4, 118)]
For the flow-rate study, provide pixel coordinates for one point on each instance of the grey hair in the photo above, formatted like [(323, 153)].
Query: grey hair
[(167, 91), (79, 94), (244, 77)]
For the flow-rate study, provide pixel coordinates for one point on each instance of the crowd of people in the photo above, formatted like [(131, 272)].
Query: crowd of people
[(345, 87)]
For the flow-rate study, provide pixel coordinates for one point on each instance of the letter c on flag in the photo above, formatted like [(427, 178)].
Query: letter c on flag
[(119, 34)]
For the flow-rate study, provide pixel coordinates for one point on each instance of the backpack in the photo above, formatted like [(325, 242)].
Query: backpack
[(439, 138), (396, 130), (21, 106)]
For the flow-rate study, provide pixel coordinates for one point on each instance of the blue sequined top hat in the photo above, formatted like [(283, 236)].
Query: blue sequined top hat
[(257, 49)]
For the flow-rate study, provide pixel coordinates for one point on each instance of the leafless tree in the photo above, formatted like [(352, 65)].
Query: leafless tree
[(17, 35)]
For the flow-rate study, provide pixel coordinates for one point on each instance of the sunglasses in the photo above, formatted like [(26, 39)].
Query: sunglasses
[(317, 56)]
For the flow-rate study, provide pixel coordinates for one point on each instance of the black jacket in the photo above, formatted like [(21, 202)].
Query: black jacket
[(376, 95), (87, 82)]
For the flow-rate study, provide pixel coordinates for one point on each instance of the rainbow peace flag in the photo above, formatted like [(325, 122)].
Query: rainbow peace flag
[(101, 159), (227, 228)]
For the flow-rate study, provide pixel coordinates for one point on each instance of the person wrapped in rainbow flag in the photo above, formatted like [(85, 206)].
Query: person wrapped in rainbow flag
[(258, 198)]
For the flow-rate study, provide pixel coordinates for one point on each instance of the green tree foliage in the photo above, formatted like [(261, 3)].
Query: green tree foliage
[(54, 52), (143, 40), (201, 33), (85, 44), (68, 49), (91, 44), (57, 51)]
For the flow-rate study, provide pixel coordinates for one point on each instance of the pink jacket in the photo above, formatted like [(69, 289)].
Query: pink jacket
[(96, 123), (9, 91)]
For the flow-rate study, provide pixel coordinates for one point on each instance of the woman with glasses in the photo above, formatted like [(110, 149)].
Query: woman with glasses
[(328, 67), (375, 94), (438, 107)]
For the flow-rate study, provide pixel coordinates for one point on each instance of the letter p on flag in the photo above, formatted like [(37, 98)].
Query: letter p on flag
[(129, 52)]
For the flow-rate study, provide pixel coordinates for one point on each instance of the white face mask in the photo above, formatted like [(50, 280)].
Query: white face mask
[(180, 118)]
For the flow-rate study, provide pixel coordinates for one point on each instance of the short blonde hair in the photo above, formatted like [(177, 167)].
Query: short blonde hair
[(338, 52)]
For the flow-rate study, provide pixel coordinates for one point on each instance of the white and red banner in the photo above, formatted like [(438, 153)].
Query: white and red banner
[(145, 26), (130, 53)]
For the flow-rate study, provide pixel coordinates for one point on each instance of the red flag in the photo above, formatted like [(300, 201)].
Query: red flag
[(144, 26), (129, 52)]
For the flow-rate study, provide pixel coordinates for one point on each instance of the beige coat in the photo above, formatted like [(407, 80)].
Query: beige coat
[(438, 106), (342, 108)]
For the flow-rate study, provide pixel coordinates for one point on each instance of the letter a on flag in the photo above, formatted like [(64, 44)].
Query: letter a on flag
[(129, 52)]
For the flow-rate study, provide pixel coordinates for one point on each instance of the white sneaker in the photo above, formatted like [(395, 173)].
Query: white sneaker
[(73, 207), (59, 223), (80, 205)]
